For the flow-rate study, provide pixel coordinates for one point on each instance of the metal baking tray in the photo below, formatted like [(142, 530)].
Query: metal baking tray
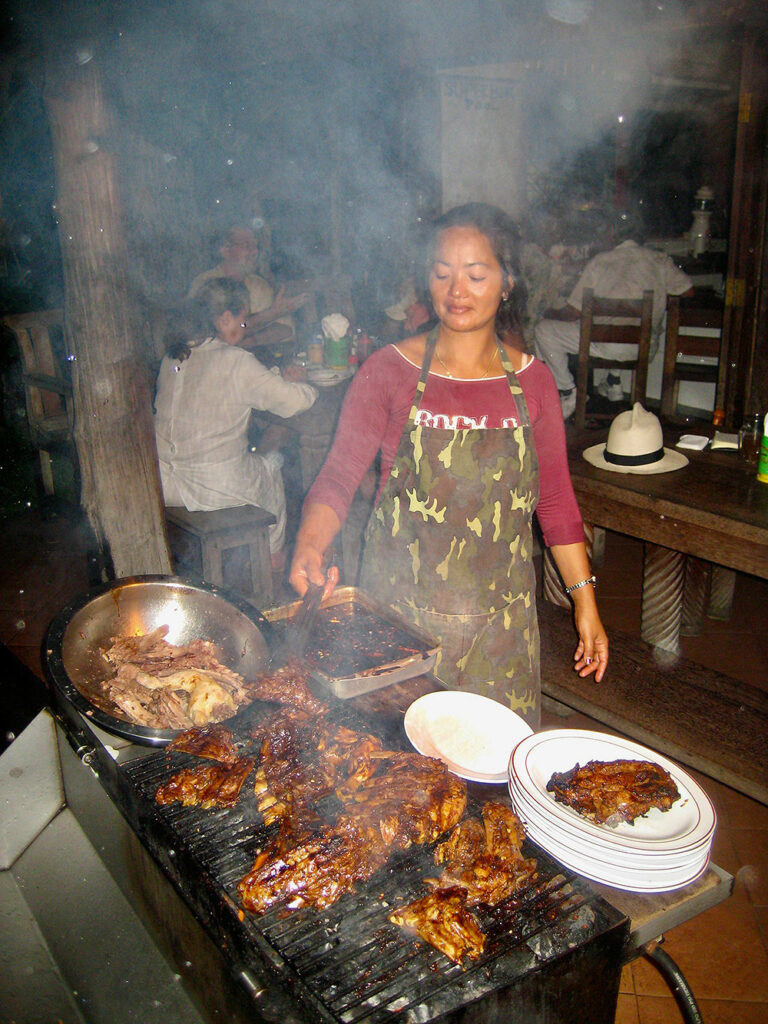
[(348, 600)]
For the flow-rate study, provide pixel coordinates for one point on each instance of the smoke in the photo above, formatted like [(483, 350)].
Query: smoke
[(325, 118)]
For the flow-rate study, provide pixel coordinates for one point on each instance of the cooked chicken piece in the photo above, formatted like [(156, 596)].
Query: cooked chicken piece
[(163, 686), (463, 846), (608, 792), (209, 785), (213, 742), (442, 919), (485, 859)]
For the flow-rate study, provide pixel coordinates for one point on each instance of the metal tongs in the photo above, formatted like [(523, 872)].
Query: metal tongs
[(294, 643)]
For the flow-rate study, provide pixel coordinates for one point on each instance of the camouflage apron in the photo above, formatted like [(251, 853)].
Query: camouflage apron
[(449, 545)]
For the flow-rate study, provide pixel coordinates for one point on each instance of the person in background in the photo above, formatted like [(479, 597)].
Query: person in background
[(472, 442), (410, 312), (206, 389), (625, 270), (239, 255)]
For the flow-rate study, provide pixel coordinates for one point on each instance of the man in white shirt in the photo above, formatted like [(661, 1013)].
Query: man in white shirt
[(625, 271), (239, 255)]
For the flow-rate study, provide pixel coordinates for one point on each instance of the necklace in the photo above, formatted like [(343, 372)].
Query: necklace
[(487, 369)]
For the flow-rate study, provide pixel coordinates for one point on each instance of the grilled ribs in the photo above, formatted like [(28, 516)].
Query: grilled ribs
[(609, 792)]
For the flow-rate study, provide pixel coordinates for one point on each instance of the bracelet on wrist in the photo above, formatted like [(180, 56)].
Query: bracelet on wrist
[(583, 583)]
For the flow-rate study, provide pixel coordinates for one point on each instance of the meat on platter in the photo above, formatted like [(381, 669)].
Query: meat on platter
[(164, 686), (379, 801), (609, 792)]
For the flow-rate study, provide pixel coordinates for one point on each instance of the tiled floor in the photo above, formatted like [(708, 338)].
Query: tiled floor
[(723, 953)]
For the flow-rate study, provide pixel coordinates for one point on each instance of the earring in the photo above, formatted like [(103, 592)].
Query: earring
[(504, 296)]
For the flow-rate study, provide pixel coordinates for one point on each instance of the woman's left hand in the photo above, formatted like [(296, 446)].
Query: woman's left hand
[(591, 655)]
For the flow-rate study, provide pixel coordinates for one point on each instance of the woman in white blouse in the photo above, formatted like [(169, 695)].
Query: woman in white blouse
[(206, 389)]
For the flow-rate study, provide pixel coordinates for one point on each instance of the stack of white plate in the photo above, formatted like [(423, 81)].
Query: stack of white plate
[(662, 850)]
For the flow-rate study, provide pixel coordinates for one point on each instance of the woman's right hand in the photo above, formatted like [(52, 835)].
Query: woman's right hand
[(307, 564), (319, 525)]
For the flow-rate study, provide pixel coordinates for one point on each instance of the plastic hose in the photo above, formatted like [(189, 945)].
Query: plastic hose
[(676, 981)]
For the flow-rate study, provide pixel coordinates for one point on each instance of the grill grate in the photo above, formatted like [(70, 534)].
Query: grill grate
[(348, 958)]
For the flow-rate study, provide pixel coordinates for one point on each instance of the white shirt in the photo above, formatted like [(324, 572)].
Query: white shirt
[(626, 272), (202, 410)]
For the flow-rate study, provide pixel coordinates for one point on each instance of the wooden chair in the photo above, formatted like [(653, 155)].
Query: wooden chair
[(39, 337), (635, 329), (215, 534), (694, 331)]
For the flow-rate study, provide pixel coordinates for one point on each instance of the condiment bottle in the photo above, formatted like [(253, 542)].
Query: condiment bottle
[(315, 350), (762, 465)]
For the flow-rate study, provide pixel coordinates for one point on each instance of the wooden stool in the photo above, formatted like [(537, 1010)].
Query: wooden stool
[(223, 530)]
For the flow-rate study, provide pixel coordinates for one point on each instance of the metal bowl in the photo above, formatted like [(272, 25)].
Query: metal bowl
[(78, 636)]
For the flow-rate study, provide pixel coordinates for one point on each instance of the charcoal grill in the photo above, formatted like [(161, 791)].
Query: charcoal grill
[(548, 956)]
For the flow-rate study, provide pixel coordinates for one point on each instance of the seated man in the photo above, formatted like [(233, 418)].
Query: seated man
[(239, 254), (623, 272)]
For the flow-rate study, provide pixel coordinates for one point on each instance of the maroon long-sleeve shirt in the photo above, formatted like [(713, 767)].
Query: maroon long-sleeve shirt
[(376, 409)]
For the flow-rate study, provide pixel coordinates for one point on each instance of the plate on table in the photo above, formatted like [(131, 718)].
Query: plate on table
[(325, 376), (472, 735)]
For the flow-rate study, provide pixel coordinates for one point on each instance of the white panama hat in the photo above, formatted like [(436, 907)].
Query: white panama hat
[(635, 445)]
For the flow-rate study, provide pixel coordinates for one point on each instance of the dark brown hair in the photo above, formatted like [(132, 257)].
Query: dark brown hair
[(196, 319), (502, 232)]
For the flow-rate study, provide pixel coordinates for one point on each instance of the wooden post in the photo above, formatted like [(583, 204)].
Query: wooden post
[(114, 432)]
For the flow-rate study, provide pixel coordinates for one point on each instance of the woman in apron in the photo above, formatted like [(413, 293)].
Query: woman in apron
[(471, 439)]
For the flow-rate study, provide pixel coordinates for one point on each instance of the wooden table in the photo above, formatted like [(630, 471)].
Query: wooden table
[(713, 509)]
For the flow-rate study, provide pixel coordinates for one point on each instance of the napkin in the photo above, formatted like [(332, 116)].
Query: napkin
[(696, 441), (721, 440), (335, 326)]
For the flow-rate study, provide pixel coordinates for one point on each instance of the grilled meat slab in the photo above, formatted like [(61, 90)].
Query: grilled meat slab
[(213, 742), (608, 792), (315, 872), (442, 919), (209, 785), (288, 685), (412, 800), (303, 758)]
